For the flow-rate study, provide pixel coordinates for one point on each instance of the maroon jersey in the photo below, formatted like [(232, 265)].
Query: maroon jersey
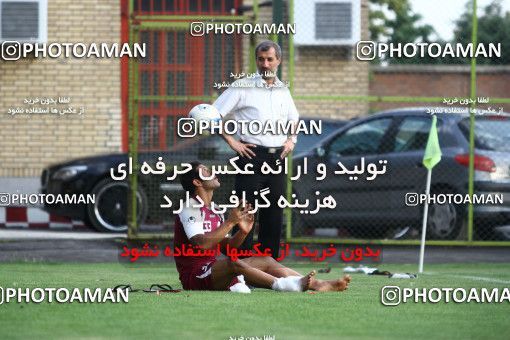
[(190, 222)]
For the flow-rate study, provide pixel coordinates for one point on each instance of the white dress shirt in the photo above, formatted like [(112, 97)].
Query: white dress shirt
[(253, 99)]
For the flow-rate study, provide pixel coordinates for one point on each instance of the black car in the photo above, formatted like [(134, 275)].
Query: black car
[(368, 208), (91, 175)]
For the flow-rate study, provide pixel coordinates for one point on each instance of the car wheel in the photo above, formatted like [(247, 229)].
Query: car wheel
[(109, 212), (444, 221)]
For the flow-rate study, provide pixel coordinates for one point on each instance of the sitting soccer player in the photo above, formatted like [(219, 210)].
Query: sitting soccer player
[(202, 227)]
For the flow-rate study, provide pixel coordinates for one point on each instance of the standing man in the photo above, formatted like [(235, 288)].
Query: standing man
[(263, 98)]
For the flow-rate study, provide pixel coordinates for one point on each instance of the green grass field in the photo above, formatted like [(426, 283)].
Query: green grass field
[(357, 313)]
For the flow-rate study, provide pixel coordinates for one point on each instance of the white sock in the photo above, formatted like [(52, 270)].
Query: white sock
[(287, 284), (241, 286)]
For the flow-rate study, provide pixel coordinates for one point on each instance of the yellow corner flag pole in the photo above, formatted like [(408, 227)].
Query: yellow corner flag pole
[(431, 157)]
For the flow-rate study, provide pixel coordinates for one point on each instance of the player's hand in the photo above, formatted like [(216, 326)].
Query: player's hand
[(288, 146), (239, 215), (243, 149), (247, 220), (235, 215)]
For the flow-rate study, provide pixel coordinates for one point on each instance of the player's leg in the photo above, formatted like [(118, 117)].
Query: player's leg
[(270, 266), (276, 269), (224, 271), (330, 285)]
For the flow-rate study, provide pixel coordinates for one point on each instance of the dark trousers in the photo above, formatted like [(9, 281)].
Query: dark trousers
[(270, 219)]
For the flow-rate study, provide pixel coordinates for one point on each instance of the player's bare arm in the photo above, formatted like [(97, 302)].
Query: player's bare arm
[(245, 225), (210, 240)]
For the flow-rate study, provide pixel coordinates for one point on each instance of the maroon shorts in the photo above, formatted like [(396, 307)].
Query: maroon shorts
[(199, 278)]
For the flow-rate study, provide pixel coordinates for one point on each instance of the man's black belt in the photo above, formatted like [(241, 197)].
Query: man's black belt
[(264, 149)]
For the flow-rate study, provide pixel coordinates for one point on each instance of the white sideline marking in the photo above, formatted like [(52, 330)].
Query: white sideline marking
[(479, 278), (474, 278)]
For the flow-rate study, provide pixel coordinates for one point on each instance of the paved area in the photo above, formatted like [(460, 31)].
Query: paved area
[(6, 234)]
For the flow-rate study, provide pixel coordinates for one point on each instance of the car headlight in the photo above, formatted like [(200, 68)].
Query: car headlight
[(68, 172)]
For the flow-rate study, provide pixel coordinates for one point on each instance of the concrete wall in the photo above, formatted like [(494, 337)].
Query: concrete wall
[(438, 81)]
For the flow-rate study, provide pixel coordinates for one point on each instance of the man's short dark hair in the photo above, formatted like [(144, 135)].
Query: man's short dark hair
[(266, 45), (187, 178)]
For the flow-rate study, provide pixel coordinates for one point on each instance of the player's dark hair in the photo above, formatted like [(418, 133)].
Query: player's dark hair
[(266, 45), (187, 178)]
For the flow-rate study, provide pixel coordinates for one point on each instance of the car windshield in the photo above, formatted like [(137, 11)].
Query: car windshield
[(491, 133)]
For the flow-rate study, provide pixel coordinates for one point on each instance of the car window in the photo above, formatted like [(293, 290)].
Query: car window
[(362, 139), (412, 134), (306, 142), (491, 132)]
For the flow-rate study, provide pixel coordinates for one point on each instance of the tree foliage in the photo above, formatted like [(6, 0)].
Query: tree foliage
[(393, 21), (493, 27)]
